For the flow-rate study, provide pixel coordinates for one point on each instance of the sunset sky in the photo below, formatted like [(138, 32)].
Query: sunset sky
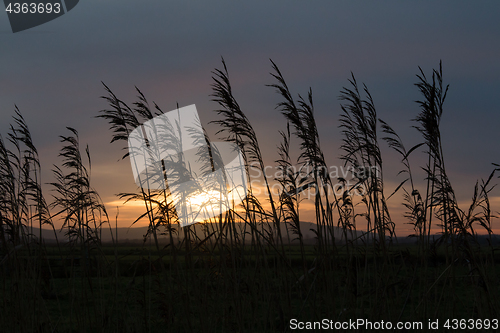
[(168, 49)]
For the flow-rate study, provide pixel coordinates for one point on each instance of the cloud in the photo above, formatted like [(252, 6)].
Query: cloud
[(168, 50)]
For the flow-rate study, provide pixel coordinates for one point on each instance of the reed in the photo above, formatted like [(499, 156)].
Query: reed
[(253, 268)]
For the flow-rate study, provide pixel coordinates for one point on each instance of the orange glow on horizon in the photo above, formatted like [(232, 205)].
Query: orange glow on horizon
[(130, 211)]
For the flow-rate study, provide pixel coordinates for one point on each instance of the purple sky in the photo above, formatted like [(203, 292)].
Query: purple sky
[(168, 49)]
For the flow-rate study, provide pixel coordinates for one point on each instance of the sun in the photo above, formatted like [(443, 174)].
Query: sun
[(205, 198), (202, 205)]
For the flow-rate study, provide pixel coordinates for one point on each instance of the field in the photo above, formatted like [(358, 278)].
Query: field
[(130, 289)]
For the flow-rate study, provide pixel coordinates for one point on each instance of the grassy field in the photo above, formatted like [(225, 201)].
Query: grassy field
[(135, 289)]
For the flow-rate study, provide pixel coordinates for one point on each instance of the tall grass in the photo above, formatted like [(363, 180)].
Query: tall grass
[(252, 268)]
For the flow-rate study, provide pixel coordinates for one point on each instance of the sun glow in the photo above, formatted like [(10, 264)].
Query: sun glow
[(204, 199), (200, 206)]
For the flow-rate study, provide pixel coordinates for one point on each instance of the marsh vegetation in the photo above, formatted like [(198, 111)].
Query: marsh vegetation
[(251, 269)]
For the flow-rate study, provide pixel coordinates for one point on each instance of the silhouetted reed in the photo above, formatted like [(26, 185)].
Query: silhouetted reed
[(253, 267)]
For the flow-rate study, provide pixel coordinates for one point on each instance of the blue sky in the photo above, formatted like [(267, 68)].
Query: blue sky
[(168, 49)]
